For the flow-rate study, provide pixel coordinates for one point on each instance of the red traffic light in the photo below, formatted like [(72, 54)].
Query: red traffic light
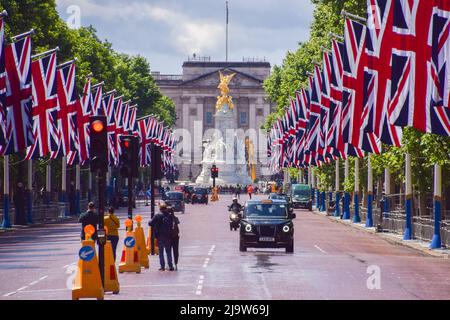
[(97, 126), (126, 144)]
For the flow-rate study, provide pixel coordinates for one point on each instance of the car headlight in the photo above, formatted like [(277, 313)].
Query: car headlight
[(286, 228), (233, 216), (248, 228)]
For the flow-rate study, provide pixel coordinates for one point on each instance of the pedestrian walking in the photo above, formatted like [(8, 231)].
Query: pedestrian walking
[(89, 217), (175, 237), (237, 192), (113, 224), (250, 191), (162, 224)]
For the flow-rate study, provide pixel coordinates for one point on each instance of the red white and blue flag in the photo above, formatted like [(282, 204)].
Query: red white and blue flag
[(45, 107), (18, 97)]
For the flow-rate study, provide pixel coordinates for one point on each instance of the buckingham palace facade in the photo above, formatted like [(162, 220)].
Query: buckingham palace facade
[(195, 94)]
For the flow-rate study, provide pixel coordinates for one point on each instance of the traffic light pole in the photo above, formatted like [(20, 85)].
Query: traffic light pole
[(130, 196), (101, 178)]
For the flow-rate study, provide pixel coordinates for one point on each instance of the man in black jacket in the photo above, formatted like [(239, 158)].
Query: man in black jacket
[(162, 224), (90, 217)]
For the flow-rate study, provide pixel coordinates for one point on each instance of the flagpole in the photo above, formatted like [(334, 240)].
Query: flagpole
[(90, 186), (337, 208), (356, 217), (46, 53), (346, 209), (21, 36), (226, 38), (353, 16), (64, 185), (369, 220), (67, 63), (437, 208), (77, 189), (48, 183), (408, 199), (6, 221), (29, 192)]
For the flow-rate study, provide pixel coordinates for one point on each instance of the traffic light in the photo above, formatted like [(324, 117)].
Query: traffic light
[(98, 151), (128, 161), (156, 162), (214, 171)]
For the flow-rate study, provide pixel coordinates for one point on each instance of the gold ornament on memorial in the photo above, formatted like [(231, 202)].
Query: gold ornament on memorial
[(224, 99)]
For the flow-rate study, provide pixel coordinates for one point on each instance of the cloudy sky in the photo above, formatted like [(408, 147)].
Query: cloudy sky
[(168, 31)]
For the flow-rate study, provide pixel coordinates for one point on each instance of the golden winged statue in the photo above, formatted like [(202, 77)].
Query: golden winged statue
[(224, 98)]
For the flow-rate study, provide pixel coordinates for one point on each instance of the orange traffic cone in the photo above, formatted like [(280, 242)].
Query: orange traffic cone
[(87, 282), (130, 255), (111, 280), (140, 243)]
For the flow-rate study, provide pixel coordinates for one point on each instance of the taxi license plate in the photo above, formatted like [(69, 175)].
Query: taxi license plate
[(266, 239)]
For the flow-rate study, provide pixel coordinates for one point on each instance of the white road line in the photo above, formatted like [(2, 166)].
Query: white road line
[(200, 281), (34, 282), (202, 277), (199, 287), (320, 249), (23, 288), (198, 293), (66, 266), (10, 294), (43, 278)]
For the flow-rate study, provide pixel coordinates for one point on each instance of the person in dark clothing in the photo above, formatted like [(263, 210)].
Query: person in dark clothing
[(19, 204), (89, 217), (162, 224), (175, 237)]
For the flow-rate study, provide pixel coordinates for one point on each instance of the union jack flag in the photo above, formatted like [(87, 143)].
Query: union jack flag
[(377, 77), (18, 100), (414, 76), (67, 111), (146, 139), (354, 62), (108, 108), (120, 111), (441, 66), (2, 85), (97, 107), (45, 107)]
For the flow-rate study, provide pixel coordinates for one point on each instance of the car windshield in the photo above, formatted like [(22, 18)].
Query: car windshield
[(174, 196), (202, 191), (301, 192), (266, 210), (274, 196)]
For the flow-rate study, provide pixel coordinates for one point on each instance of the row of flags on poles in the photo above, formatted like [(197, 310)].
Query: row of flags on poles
[(41, 111), (389, 71)]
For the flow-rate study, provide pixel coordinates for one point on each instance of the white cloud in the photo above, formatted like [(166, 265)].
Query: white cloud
[(167, 31)]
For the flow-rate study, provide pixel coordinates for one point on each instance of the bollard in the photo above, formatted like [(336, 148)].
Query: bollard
[(140, 243), (130, 255)]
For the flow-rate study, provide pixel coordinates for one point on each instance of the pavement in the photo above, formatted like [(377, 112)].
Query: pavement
[(394, 238), (331, 261)]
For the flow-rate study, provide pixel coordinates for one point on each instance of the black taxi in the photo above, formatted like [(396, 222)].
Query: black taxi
[(267, 224)]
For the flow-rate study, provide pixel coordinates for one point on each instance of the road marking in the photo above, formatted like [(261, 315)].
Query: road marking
[(34, 282), (43, 278), (200, 281), (10, 294), (23, 288), (320, 249)]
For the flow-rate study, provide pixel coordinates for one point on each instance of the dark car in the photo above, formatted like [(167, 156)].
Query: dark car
[(123, 198), (267, 224), (301, 196), (200, 195), (284, 197), (175, 199)]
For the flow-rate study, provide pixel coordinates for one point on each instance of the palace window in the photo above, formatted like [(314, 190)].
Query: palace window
[(208, 118), (243, 118)]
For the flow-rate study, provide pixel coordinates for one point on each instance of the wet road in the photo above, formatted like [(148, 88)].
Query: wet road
[(331, 261)]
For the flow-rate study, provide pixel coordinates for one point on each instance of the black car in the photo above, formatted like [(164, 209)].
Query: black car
[(175, 199), (123, 198), (200, 195), (301, 196), (267, 224)]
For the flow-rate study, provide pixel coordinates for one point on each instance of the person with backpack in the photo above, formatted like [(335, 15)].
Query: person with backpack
[(162, 224)]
